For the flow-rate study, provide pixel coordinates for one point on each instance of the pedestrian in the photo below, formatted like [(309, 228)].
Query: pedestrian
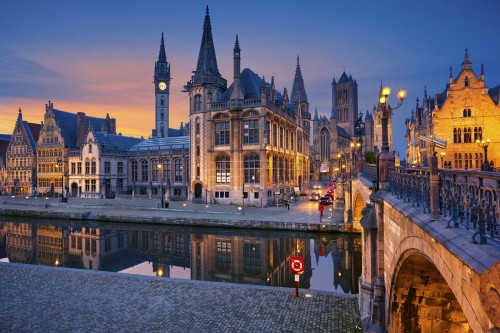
[(288, 205)]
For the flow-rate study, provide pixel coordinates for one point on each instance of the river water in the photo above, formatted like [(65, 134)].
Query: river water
[(332, 262)]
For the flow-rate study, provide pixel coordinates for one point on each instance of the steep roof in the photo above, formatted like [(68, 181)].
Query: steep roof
[(250, 84), (494, 94), (4, 144), (68, 123), (32, 137), (116, 142), (342, 132), (207, 61), (343, 78)]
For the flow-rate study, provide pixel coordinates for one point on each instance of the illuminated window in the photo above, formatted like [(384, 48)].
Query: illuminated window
[(223, 170)]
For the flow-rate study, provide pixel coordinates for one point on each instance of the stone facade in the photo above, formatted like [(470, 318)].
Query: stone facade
[(100, 168), (61, 136), (21, 158), (4, 145), (464, 112), (249, 143), (159, 166)]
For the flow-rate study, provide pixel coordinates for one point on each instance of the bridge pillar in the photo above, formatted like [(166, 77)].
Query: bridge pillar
[(434, 187), (385, 161)]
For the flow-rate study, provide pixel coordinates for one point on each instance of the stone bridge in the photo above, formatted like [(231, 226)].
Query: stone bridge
[(429, 268)]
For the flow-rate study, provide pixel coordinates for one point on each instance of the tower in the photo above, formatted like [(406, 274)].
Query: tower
[(205, 87), (345, 102), (162, 92)]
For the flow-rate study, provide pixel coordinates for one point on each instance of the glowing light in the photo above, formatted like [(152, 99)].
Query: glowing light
[(386, 91)]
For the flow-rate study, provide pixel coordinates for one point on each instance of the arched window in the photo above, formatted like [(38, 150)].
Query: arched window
[(478, 133), (197, 102), (252, 169), (166, 170), (466, 81), (467, 135), (324, 145), (223, 170), (161, 114)]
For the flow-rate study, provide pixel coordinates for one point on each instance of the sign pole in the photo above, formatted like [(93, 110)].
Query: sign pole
[(297, 285)]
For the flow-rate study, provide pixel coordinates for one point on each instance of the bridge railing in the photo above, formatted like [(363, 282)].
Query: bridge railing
[(470, 199)]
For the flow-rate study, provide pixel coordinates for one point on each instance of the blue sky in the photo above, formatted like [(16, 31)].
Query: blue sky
[(98, 56)]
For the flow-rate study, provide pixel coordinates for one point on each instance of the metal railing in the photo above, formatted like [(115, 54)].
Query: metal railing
[(470, 199)]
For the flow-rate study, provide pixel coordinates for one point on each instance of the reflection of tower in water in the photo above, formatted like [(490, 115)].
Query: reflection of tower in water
[(346, 257)]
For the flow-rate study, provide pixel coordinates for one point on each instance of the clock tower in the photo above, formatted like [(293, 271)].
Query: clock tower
[(162, 92)]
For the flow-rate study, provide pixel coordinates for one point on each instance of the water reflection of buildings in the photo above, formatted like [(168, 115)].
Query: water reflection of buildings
[(346, 256), (212, 257), (249, 260)]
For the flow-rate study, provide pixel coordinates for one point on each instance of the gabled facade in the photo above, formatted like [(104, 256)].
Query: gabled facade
[(100, 169), (249, 143), (464, 112), (21, 157), (61, 136)]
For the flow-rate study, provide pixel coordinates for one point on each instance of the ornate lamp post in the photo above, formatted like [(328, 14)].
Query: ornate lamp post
[(484, 144), (441, 154), (385, 158)]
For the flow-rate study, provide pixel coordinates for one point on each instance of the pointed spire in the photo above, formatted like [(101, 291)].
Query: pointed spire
[(20, 115), (467, 63), (162, 57), (482, 72), (237, 92), (316, 118), (334, 82), (207, 61), (298, 89), (451, 75)]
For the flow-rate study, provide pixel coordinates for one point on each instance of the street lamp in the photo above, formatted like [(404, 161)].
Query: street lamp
[(484, 144), (58, 165), (159, 166), (441, 154), (386, 159)]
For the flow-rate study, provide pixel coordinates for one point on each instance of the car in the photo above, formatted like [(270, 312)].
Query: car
[(314, 196), (326, 200)]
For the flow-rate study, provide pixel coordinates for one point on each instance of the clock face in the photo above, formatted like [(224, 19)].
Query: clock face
[(162, 85)]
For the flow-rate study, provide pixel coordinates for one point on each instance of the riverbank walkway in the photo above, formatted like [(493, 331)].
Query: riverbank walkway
[(53, 299), (302, 215)]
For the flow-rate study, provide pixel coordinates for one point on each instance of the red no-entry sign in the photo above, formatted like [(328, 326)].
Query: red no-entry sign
[(297, 265)]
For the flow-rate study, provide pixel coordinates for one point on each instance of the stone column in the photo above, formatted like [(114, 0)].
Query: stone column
[(434, 187), (385, 161)]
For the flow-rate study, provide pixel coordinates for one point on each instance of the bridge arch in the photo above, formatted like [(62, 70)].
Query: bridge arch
[(421, 299), (448, 271)]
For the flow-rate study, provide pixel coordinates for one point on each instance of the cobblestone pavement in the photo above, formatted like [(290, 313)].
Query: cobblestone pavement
[(48, 299)]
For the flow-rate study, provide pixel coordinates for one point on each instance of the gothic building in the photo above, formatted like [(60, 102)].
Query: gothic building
[(249, 143), (61, 136), (162, 93), (332, 138), (464, 112), (21, 157)]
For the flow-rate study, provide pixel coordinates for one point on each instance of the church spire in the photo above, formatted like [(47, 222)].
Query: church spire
[(207, 61), (162, 57), (207, 71), (298, 89), (316, 118)]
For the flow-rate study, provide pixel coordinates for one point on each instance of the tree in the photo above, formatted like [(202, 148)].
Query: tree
[(370, 157)]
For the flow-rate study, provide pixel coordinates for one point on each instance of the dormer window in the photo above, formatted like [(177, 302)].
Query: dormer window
[(466, 81)]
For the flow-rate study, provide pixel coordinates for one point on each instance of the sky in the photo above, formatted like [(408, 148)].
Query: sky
[(98, 56)]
